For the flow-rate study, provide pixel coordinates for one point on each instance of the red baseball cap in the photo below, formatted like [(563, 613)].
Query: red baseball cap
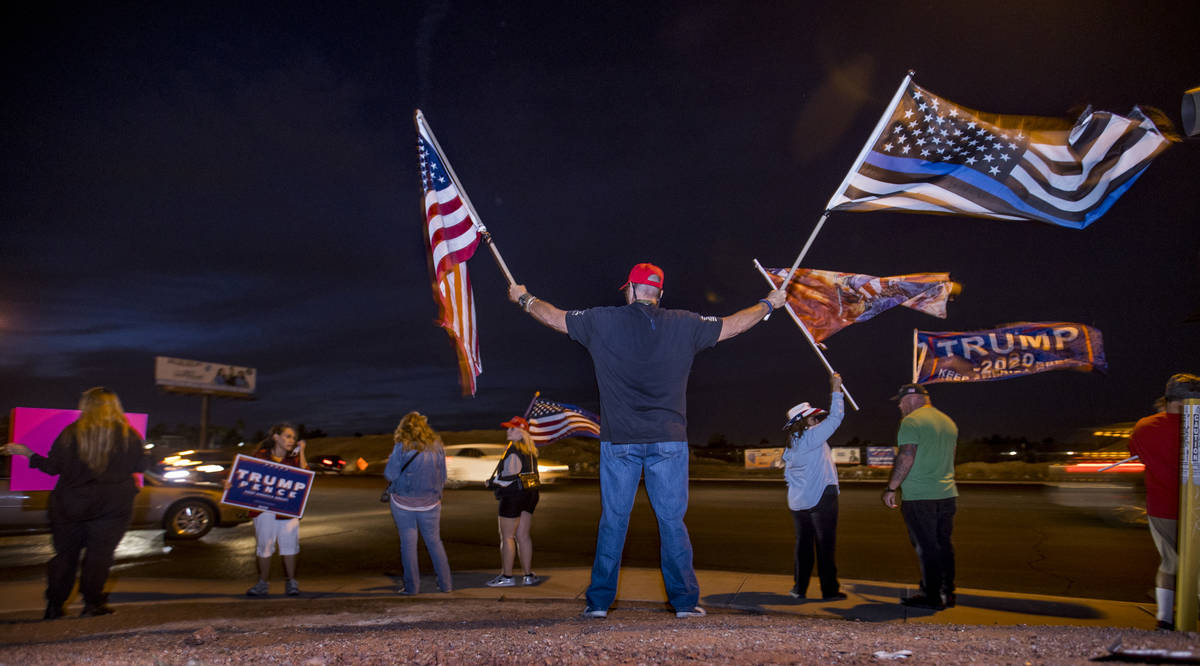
[(516, 422), (647, 274)]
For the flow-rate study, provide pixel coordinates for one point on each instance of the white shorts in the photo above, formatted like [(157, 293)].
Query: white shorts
[(1164, 531), (268, 531)]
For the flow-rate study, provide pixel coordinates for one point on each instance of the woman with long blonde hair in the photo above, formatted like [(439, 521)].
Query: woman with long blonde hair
[(92, 503), (416, 473), (517, 502)]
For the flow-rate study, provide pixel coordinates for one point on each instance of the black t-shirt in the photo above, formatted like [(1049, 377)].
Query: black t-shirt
[(642, 355)]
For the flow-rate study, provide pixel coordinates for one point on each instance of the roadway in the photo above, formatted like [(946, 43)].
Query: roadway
[(1081, 541)]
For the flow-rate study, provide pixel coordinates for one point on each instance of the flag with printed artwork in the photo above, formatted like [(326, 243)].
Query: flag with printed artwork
[(451, 237), (930, 155), (828, 301)]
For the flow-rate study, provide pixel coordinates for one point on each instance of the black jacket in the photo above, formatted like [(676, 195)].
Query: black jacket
[(80, 494)]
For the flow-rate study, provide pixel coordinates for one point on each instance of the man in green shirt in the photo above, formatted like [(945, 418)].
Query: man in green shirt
[(924, 474)]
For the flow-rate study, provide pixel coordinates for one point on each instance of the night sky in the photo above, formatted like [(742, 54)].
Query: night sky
[(238, 183)]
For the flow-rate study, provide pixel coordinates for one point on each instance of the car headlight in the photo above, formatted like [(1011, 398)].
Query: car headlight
[(176, 474), (210, 468)]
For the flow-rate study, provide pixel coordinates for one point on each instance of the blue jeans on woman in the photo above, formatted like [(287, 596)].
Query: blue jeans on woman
[(666, 468), (428, 523)]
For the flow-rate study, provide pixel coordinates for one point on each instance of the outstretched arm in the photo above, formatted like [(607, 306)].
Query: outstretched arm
[(541, 310), (743, 320)]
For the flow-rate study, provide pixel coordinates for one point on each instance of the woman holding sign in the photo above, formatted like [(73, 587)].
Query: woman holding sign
[(92, 503), (416, 473), (813, 491), (270, 528), (515, 483)]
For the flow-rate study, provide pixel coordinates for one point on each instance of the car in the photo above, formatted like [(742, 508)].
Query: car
[(473, 464), (191, 466), (182, 510), (327, 462)]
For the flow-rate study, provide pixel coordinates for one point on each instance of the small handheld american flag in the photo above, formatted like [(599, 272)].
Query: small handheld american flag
[(550, 421)]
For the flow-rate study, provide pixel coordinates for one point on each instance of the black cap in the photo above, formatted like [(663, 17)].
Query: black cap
[(1182, 386), (910, 389)]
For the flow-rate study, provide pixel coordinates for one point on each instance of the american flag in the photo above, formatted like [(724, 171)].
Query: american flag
[(452, 237), (452, 234), (456, 302), (934, 156), (550, 421)]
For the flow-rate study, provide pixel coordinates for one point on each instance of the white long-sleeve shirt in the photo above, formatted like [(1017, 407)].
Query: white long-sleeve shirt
[(808, 462)]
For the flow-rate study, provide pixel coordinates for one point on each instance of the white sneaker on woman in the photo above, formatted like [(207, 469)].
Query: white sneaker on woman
[(501, 581)]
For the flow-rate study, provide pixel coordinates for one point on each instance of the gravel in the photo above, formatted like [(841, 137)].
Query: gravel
[(419, 631)]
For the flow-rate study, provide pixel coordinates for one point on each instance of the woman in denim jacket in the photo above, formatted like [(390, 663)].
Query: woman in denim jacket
[(416, 473)]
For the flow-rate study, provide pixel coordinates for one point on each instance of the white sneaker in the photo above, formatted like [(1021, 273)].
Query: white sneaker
[(531, 579), (695, 611), (595, 612), (292, 587), (501, 581)]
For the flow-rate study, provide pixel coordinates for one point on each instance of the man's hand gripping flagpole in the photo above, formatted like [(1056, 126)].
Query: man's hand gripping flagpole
[(804, 329), (484, 234)]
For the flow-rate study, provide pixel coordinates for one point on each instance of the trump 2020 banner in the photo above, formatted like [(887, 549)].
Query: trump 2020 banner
[(263, 485), (1010, 351)]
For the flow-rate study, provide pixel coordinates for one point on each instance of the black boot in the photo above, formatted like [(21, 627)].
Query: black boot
[(53, 611), (95, 610)]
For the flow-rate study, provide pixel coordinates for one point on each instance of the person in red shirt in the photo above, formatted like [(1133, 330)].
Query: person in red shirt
[(1155, 440)]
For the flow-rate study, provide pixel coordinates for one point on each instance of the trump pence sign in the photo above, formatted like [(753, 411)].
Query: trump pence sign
[(264, 485)]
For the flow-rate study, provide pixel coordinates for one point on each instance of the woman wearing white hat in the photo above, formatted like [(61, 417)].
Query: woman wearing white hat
[(813, 491)]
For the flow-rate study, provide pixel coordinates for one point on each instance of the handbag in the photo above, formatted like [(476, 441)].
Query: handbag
[(530, 480), (521, 482), (387, 496)]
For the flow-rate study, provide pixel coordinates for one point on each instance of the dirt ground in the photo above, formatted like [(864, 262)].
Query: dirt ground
[(418, 631)]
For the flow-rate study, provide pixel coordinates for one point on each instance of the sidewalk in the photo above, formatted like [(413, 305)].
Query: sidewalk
[(868, 601)]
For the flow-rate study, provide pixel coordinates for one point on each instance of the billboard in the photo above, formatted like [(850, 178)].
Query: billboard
[(38, 428), (881, 456), (764, 458), (846, 455), (185, 376)]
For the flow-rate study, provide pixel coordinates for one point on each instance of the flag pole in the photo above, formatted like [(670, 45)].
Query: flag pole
[(800, 257), (915, 367), (531, 401), (862, 155), (807, 336), (423, 126), (1118, 463)]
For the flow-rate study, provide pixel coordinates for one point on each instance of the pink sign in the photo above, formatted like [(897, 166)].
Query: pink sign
[(38, 428)]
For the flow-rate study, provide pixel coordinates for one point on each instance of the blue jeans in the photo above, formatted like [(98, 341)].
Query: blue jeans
[(666, 468), (428, 523)]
